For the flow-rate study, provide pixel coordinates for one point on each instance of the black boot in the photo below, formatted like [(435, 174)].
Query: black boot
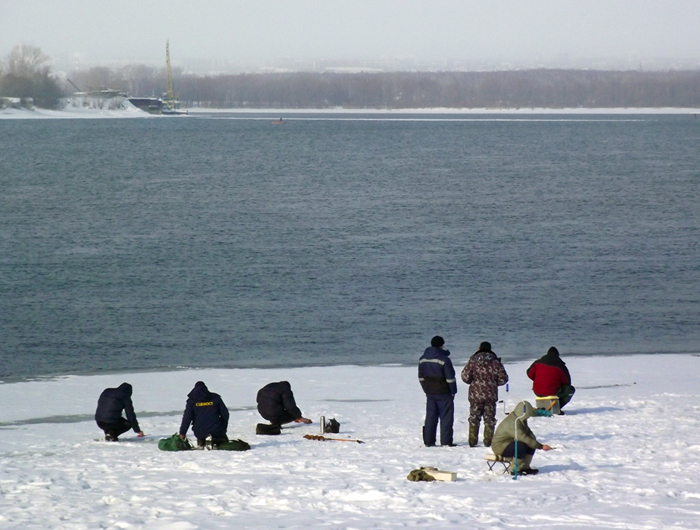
[(524, 466), (473, 435), (529, 471), (488, 435)]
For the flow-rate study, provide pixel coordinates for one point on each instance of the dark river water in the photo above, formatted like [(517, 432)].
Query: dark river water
[(225, 241)]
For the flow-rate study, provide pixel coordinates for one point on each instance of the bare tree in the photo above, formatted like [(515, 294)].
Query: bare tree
[(28, 76), (26, 60)]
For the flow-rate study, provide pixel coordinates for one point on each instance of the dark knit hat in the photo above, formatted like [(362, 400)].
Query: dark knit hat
[(485, 346), (437, 341), (553, 351)]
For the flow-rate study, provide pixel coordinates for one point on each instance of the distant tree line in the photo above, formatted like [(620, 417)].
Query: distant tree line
[(542, 88), (400, 90), (412, 90), (24, 74)]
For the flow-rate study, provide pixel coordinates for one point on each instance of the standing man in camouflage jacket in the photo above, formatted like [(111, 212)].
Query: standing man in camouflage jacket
[(484, 373)]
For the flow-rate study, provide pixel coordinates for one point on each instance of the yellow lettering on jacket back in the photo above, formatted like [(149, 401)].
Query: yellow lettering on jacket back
[(204, 404)]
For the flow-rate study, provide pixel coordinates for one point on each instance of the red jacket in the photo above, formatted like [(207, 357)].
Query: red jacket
[(547, 380)]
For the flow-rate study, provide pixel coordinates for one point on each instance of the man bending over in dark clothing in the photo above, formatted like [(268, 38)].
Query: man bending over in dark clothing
[(276, 404), (108, 415)]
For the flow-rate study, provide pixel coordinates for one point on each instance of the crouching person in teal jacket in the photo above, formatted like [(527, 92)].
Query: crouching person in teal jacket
[(513, 432)]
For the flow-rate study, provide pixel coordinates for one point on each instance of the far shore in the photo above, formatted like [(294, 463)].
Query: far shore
[(73, 113)]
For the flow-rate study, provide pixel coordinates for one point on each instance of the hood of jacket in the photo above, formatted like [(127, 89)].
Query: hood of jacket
[(484, 358), (431, 352), (523, 411), (551, 358), (126, 388), (200, 392)]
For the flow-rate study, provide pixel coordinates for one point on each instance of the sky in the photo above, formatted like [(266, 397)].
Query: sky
[(281, 33)]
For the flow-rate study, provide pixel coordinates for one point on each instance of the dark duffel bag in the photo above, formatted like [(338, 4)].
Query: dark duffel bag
[(233, 445), (264, 428)]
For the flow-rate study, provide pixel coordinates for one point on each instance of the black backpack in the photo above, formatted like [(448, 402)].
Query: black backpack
[(332, 426)]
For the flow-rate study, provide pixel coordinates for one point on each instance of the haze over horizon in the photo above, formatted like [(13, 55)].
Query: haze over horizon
[(224, 36)]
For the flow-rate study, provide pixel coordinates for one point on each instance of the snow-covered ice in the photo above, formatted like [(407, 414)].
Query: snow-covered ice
[(627, 454)]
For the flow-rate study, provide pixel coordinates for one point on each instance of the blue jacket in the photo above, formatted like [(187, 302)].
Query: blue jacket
[(436, 373), (206, 412)]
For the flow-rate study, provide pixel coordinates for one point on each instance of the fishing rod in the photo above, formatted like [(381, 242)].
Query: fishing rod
[(324, 439), (515, 460)]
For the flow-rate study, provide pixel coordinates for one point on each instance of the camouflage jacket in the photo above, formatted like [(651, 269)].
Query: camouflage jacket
[(484, 373)]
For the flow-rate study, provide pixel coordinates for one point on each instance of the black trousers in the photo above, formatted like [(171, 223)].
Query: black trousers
[(283, 418), (439, 407), (215, 440), (523, 449), (114, 429)]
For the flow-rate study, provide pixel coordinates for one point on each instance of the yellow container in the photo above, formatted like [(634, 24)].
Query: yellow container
[(550, 403)]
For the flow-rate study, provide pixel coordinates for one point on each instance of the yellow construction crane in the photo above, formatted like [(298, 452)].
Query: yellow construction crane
[(169, 93), (171, 105)]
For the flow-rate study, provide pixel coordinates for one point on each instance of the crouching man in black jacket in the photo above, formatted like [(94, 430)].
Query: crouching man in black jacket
[(108, 415), (276, 404), (207, 414)]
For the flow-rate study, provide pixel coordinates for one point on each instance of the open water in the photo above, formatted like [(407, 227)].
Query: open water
[(222, 240)]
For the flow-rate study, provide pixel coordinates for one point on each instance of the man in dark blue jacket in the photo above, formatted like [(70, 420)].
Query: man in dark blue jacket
[(277, 405), (108, 415), (207, 414), (437, 377)]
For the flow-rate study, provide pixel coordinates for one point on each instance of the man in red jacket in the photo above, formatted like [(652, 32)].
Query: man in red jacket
[(551, 377)]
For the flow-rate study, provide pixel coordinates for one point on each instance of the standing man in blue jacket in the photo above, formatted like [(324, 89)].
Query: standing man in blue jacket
[(437, 377)]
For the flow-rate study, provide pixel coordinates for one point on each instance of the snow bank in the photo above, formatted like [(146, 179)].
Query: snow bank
[(627, 454), (80, 107)]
